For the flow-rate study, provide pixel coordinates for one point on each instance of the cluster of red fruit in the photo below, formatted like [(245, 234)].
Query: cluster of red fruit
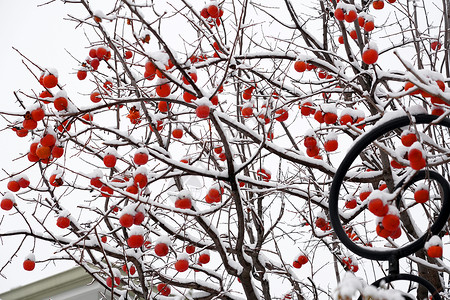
[(350, 264), (322, 224), (327, 117), (214, 194), (96, 55), (134, 115), (390, 222), (301, 66), (17, 182), (438, 103), (32, 116), (351, 234), (345, 12), (366, 21), (46, 149), (310, 142), (219, 151), (417, 156), (129, 268), (212, 13), (348, 13), (300, 261)]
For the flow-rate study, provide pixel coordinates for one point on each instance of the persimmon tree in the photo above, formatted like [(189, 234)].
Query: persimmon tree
[(199, 159)]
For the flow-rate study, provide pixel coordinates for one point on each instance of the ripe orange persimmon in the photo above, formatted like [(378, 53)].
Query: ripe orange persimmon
[(391, 222), (60, 103), (63, 222), (43, 152), (95, 181), (181, 265), (95, 63), (434, 251), (422, 195), (177, 133), (55, 180), (415, 155), (29, 124), (350, 16), (282, 114), (310, 142), (95, 97), (351, 203), (339, 14), (383, 232), (378, 4), (408, 139), (28, 265), (48, 140), (193, 77), (202, 111), (109, 160), (37, 114), (57, 151), (128, 54), (141, 180), (81, 74), (313, 151), (109, 281), (161, 249), (49, 81), (164, 106), (204, 258), (247, 111), (307, 109), (93, 53), (183, 203), (101, 53), (213, 11), (330, 118), (378, 207), (300, 66), (135, 241), (188, 97), (126, 220), (163, 289), (163, 90), (370, 56), (6, 204), (190, 249), (140, 158), (330, 145), (369, 26)]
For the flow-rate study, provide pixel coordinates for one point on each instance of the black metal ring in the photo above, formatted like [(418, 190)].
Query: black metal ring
[(433, 291), (360, 145)]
